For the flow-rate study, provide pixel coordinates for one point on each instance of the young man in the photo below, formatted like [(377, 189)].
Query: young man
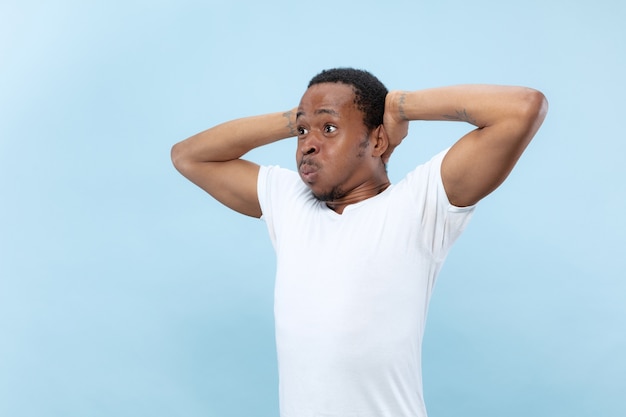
[(357, 257)]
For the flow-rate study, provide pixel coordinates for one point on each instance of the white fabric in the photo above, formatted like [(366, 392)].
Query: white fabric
[(352, 291)]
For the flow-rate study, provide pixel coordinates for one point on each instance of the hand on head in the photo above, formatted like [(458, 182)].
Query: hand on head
[(395, 124)]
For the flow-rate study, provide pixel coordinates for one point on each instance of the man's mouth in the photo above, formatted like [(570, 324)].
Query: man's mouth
[(308, 170)]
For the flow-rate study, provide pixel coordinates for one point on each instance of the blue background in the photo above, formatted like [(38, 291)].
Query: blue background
[(127, 291)]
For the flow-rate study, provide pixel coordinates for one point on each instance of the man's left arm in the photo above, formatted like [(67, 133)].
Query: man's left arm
[(506, 119)]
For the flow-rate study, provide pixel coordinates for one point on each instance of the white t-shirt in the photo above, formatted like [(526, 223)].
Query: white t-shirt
[(352, 292)]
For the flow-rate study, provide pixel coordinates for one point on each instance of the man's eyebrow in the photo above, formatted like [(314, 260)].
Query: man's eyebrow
[(320, 111), (327, 111)]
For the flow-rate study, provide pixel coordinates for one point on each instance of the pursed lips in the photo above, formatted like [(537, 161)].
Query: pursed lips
[(308, 169)]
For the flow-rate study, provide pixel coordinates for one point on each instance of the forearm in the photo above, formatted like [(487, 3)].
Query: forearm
[(480, 105), (231, 140)]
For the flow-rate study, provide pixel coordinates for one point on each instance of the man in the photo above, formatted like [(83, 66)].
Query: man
[(357, 257)]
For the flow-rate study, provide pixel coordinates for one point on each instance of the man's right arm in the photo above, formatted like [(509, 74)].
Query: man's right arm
[(212, 159)]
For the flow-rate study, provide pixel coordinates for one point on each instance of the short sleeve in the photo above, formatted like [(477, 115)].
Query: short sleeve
[(277, 189), (441, 222)]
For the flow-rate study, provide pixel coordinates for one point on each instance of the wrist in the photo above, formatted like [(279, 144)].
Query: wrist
[(395, 105), (289, 119)]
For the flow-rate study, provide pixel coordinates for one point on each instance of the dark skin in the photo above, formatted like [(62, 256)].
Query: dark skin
[(337, 157), (343, 163)]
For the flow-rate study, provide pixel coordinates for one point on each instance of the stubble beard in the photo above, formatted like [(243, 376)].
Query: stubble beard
[(336, 193)]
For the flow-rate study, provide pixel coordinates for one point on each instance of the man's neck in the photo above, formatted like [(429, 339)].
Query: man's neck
[(359, 194)]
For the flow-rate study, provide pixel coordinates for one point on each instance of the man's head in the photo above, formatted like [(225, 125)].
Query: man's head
[(341, 137), (369, 92)]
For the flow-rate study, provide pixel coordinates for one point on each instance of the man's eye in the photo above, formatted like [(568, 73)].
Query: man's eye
[(302, 131), (330, 128)]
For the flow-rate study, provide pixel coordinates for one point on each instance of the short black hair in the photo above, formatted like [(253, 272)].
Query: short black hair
[(369, 92)]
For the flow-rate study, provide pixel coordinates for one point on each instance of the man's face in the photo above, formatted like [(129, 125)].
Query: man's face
[(333, 142)]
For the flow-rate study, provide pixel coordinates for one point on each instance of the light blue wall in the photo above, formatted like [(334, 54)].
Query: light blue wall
[(126, 291)]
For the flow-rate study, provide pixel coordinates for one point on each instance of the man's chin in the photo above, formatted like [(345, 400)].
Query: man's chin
[(328, 196)]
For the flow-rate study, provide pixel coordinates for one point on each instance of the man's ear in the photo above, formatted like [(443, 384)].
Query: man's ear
[(381, 141)]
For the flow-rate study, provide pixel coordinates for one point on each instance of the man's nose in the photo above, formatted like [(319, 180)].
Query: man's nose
[(310, 145)]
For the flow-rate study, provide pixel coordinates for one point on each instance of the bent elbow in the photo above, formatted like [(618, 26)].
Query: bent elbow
[(536, 106), (177, 155)]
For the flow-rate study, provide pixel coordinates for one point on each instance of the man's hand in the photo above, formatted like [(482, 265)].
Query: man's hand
[(394, 121)]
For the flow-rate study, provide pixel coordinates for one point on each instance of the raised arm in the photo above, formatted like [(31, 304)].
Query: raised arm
[(212, 159), (506, 118)]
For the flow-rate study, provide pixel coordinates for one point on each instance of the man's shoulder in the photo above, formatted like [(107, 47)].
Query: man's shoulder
[(275, 175), (279, 186)]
